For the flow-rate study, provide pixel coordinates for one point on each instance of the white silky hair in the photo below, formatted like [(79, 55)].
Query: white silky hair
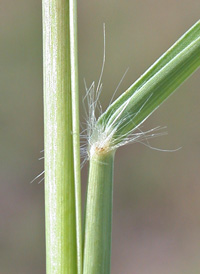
[(98, 137), (42, 174)]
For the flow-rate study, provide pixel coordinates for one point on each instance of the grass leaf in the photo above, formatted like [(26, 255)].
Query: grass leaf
[(153, 87)]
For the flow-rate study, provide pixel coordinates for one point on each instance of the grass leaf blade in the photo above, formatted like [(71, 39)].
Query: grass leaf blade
[(146, 94)]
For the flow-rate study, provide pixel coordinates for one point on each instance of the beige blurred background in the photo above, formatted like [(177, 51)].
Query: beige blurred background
[(156, 223)]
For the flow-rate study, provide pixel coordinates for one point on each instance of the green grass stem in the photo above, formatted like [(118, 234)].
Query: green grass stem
[(98, 219), (60, 220), (75, 126)]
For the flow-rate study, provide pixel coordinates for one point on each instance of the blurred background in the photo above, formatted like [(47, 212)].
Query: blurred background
[(156, 220)]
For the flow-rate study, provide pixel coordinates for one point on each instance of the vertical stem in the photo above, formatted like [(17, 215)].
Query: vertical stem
[(75, 126), (98, 222), (59, 170)]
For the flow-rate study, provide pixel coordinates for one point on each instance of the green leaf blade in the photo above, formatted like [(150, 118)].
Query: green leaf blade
[(146, 94)]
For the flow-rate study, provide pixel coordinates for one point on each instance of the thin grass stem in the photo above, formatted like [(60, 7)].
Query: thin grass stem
[(60, 220), (75, 127), (98, 219)]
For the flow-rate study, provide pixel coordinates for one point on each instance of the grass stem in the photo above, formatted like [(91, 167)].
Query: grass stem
[(98, 219), (75, 126), (60, 218)]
